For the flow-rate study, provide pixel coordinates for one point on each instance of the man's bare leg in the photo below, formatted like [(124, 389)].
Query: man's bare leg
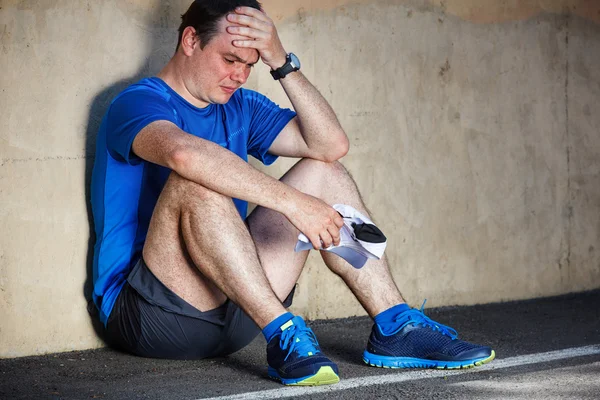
[(199, 247), (372, 285), (275, 238)]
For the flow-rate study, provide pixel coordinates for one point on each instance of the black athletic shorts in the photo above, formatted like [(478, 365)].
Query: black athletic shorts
[(149, 320)]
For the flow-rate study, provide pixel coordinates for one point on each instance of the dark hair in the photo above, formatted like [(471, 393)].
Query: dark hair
[(203, 16)]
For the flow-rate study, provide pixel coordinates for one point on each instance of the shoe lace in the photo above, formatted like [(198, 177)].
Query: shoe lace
[(299, 339), (418, 317)]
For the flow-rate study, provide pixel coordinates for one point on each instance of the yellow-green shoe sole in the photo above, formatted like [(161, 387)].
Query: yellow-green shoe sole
[(325, 376), (404, 362), (475, 364)]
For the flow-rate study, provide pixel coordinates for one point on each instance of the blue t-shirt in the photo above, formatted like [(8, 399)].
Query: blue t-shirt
[(125, 188)]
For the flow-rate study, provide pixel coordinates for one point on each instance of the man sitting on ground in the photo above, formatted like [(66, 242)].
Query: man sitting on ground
[(179, 270)]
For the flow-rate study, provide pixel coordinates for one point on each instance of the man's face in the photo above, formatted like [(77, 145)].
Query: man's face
[(218, 70)]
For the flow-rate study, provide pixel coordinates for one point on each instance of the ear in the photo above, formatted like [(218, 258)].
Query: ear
[(189, 41)]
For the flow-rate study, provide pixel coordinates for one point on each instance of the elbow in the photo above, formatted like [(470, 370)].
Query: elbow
[(178, 159), (339, 150)]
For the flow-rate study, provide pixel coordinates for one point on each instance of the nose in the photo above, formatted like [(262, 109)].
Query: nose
[(240, 74)]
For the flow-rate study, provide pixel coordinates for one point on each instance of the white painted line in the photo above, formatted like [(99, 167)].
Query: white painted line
[(403, 376)]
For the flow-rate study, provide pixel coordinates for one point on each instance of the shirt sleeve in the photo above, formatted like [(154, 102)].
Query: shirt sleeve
[(267, 119), (129, 113)]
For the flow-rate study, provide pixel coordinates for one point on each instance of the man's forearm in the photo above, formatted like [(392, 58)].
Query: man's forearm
[(319, 125), (320, 129), (222, 171)]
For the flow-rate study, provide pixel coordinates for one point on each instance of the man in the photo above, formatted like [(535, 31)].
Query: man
[(179, 271)]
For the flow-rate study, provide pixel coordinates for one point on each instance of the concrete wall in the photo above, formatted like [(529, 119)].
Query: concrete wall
[(474, 130)]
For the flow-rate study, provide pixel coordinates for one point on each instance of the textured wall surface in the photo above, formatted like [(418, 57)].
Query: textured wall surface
[(474, 131)]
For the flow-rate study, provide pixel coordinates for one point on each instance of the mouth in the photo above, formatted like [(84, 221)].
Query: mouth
[(228, 90)]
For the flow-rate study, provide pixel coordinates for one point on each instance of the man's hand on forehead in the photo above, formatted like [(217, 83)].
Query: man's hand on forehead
[(260, 33)]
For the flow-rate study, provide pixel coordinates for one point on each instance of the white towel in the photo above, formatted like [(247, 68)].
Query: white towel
[(351, 249)]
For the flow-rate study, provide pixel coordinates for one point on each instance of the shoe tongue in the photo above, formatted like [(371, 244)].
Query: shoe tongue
[(286, 325), (297, 321)]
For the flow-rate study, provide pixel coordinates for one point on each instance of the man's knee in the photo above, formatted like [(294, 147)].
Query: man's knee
[(184, 194), (328, 169)]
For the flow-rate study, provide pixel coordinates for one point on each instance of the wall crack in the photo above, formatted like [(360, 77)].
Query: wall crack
[(6, 161), (569, 195)]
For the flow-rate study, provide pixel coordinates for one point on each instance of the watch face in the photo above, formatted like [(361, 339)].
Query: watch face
[(295, 61)]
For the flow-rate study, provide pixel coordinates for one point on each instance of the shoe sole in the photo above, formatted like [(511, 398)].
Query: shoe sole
[(407, 362), (325, 376)]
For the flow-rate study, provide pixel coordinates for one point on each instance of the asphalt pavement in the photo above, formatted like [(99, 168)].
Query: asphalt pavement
[(545, 349)]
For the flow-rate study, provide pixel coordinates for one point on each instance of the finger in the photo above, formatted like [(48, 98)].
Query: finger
[(248, 21), (251, 44), (338, 221), (316, 242), (253, 12), (245, 31), (335, 235), (326, 239)]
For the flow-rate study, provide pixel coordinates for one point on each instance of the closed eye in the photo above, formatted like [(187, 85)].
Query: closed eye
[(231, 58)]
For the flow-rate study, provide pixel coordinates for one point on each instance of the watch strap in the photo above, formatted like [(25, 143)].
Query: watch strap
[(281, 72)]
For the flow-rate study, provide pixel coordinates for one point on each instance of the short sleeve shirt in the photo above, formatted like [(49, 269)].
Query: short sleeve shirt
[(125, 188)]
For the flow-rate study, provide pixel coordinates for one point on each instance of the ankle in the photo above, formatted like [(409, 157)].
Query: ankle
[(386, 320), (274, 326)]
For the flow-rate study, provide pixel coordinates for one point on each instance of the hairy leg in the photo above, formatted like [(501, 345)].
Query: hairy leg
[(199, 247), (372, 284), (275, 238)]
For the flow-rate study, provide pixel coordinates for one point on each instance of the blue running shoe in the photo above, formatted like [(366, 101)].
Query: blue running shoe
[(420, 342), (294, 357)]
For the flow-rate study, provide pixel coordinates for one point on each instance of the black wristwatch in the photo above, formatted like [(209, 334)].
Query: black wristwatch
[(292, 63)]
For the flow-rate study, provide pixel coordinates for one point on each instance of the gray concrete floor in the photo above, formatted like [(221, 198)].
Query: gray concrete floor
[(522, 333)]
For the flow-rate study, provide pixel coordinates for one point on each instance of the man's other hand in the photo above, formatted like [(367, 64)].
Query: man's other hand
[(317, 220), (261, 33)]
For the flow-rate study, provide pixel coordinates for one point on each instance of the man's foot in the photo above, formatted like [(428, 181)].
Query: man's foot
[(295, 358), (420, 342)]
